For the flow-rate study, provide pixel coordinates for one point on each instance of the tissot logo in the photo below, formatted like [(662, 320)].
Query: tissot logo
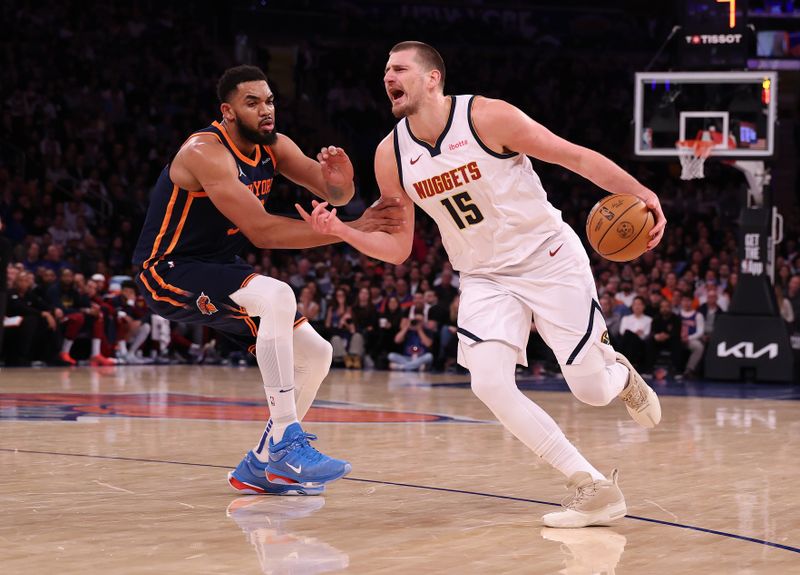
[(747, 350), (696, 39)]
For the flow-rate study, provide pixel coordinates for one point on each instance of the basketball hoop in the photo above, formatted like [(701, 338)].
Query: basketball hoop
[(693, 154)]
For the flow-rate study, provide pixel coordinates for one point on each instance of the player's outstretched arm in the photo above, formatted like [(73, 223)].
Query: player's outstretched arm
[(204, 164), (329, 178), (389, 246), (504, 127)]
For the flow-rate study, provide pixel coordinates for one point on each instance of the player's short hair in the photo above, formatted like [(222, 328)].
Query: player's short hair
[(232, 77), (427, 55)]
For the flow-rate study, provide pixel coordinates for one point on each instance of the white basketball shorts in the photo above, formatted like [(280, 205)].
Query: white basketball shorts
[(555, 288)]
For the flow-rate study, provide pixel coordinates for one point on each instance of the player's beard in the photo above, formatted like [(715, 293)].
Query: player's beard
[(408, 109), (255, 136)]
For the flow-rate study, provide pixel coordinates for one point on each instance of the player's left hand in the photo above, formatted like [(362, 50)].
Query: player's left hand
[(322, 221), (385, 215), (337, 170), (654, 205)]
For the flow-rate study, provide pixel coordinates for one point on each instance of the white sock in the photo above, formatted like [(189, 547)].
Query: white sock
[(492, 365), (122, 347), (95, 346), (66, 347), (312, 361)]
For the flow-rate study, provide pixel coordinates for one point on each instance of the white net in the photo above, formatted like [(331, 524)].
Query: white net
[(693, 154)]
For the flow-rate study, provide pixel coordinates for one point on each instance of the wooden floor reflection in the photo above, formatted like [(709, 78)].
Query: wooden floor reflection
[(123, 471)]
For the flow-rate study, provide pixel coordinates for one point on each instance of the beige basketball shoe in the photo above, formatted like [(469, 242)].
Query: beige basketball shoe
[(594, 502), (640, 399)]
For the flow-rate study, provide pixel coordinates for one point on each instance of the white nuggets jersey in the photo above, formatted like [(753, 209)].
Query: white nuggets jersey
[(491, 208)]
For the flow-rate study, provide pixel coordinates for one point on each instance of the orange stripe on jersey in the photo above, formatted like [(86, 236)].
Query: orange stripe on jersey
[(165, 285), (201, 134), (156, 296), (199, 194), (247, 280), (236, 151), (252, 349), (164, 225), (300, 322), (272, 155), (250, 323), (179, 229)]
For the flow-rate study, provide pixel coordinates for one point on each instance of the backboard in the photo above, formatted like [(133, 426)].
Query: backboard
[(737, 110)]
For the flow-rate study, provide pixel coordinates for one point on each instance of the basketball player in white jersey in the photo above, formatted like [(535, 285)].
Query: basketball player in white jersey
[(463, 159)]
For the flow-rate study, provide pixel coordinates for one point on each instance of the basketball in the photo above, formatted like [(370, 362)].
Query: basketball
[(618, 227)]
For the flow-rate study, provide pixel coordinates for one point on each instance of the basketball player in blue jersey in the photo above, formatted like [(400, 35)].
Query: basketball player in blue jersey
[(464, 160), (207, 205)]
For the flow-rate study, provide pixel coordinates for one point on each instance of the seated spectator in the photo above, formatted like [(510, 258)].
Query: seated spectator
[(793, 295), (36, 338), (132, 321), (666, 329), (634, 330), (784, 308), (612, 318), (710, 310), (347, 343), (625, 294), (365, 322), (445, 286), (416, 343), (307, 307), (692, 331), (388, 325), (77, 310), (434, 310), (448, 338), (403, 294)]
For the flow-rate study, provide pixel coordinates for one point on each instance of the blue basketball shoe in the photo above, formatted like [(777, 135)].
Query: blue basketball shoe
[(250, 476), (293, 459)]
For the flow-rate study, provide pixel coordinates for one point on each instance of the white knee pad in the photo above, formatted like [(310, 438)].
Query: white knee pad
[(267, 298), (491, 365), (594, 380)]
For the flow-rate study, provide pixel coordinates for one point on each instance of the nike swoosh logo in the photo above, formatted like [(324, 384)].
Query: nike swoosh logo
[(285, 390), (554, 252), (297, 469), (416, 160)]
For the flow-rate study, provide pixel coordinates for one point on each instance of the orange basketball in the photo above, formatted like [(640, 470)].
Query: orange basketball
[(618, 227)]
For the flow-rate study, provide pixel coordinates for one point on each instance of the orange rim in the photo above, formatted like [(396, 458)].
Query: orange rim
[(702, 148)]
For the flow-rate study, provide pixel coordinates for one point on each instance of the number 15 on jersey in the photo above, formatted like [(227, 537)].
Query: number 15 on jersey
[(463, 203)]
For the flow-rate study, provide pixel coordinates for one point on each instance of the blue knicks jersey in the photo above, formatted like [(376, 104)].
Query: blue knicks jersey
[(184, 225)]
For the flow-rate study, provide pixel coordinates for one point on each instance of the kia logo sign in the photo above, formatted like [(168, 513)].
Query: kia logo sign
[(746, 350), (696, 39)]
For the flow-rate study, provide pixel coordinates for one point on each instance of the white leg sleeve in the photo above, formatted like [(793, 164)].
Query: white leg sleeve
[(492, 365), (312, 361), (273, 301)]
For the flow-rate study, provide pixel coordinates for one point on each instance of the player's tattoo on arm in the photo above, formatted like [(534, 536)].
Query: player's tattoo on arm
[(337, 195)]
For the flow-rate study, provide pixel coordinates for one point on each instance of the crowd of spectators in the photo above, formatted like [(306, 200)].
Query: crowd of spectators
[(84, 137)]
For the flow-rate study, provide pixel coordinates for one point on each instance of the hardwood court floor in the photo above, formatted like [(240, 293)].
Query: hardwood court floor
[(123, 471)]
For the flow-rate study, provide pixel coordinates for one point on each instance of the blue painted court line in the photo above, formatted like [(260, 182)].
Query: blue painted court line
[(427, 488), (697, 388)]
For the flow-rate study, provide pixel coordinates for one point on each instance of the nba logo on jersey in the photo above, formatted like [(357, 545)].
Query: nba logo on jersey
[(205, 306)]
